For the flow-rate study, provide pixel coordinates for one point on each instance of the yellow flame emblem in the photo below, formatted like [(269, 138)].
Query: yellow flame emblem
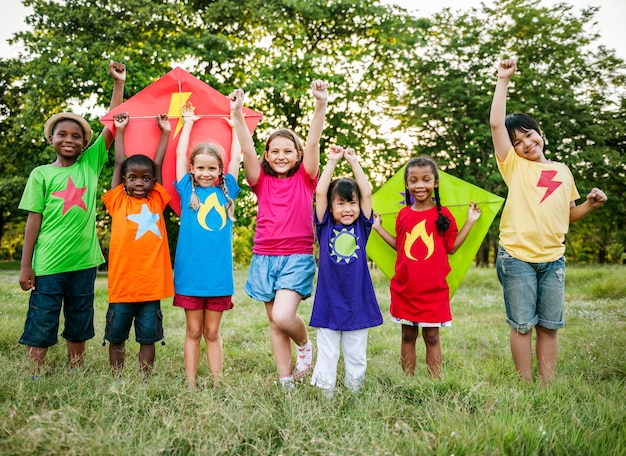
[(419, 232), (211, 203)]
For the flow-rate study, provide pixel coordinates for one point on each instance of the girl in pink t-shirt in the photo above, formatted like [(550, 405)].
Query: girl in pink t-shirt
[(283, 265)]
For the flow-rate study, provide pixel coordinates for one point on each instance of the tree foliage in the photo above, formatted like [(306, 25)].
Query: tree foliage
[(395, 80)]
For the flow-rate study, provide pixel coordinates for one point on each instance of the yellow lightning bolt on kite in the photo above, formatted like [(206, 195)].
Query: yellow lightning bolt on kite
[(209, 204), (176, 103), (419, 231)]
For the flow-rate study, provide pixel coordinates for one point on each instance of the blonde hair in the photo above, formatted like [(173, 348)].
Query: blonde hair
[(216, 151)]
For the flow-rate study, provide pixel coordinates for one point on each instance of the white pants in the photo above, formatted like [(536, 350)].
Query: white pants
[(354, 345)]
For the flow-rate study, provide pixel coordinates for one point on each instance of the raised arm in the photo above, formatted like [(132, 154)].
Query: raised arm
[(121, 122), (250, 159), (321, 191), (159, 156), (235, 151), (189, 119), (382, 232), (473, 214), (118, 73), (361, 179), (311, 159), (501, 140)]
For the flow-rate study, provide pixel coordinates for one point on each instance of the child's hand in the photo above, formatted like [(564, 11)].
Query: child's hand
[(596, 197), (473, 213), (117, 71), (121, 120), (506, 68), (236, 99), (229, 121), (335, 153), (187, 113), (350, 156), (318, 89), (378, 221), (164, 122)]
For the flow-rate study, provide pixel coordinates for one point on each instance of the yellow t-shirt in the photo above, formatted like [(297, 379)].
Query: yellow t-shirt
[(535, 218)]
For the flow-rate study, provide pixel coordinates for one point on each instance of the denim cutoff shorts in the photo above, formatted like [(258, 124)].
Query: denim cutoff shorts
[(267, 274), (71, 291), (148, 320), (533, 292)]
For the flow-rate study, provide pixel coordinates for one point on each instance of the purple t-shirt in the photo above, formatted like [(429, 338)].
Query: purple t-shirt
[(344, 297)]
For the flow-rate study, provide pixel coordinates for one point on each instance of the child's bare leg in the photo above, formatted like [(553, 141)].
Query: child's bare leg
[(281, 345), (521, 349), (117, 353), (147, 354), (433, 351), (37, 355), (547, 348), (407, 349), (75, 353), (191, 348), (213, 339)]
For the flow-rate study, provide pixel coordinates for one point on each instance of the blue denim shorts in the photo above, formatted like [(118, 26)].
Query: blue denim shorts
[(533, 292), (71, 291), (148, 320), (267, 274)]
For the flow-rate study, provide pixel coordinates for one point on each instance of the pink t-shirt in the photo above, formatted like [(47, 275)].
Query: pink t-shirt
[(284, 223)]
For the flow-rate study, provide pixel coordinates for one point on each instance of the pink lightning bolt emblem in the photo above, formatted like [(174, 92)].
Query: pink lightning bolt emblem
[(547, 180)]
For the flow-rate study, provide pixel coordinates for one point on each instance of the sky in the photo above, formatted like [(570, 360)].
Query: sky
[(610, 18)]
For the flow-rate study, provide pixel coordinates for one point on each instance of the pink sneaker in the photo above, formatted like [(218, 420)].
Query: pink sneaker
[(304, 361)]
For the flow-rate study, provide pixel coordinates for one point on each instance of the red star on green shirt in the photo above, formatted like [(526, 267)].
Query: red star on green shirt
[(72, 195)]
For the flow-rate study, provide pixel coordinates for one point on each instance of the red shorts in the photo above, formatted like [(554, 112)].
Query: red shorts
[(214, 303)]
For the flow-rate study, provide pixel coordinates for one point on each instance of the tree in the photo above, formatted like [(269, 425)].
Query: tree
[(573, 89)]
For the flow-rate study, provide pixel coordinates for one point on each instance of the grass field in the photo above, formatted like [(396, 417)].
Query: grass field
[(479, 407)]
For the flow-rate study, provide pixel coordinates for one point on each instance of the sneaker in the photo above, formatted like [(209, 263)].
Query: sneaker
[(304, 361), (287, 383)]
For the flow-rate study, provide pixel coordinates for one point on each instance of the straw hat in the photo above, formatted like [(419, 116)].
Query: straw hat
[(52, 121)]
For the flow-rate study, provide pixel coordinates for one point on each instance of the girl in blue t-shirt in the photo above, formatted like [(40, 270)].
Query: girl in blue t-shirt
[(203, 267)]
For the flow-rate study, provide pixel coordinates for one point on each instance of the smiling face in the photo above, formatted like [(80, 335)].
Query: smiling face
[(139, 180), (529, 145), (282, 155), (205, 169), (68, 140), (345, 212), (420, 183)]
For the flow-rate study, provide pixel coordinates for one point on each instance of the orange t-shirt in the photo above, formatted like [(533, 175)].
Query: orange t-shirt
[(140, 268)]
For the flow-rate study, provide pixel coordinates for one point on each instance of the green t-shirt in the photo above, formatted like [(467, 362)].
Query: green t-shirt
[(66, 197)]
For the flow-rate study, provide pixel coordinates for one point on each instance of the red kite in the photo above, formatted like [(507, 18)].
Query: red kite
[(168, 94)]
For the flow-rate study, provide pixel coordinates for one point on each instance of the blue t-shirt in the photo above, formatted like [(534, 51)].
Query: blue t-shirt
[(203, 265), (344, 297)]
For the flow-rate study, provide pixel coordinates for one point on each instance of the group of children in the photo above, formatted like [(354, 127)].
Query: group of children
[(61, 251)]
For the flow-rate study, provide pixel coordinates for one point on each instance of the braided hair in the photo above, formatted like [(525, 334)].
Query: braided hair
[(214, 150), (443, 222)]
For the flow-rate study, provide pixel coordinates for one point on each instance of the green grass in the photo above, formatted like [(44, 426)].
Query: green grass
[(479, 407)]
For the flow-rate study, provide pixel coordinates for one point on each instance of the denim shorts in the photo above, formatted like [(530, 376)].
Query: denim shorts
[(533, 292), (267, 274), (71, 291), (148, 322)]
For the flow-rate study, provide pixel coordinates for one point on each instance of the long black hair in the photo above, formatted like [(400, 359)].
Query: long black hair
[(443, 222), (522, 122)]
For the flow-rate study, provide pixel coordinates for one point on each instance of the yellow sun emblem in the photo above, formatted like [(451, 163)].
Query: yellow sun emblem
[(343, 245)]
